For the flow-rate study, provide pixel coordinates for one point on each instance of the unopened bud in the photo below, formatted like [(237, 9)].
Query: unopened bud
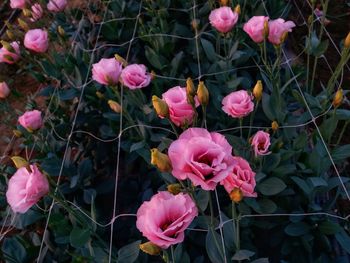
[(224, 2), (23, 24), (258, 90), (7, 46), (121, 60), (153, 75), (190, 87), (115, 106), (236, 195), (150, 248), (274, 126), (9, 58), (19, 161), (347, 41), (10, 34), (338, 98), (160, 107), (266, 29), (17, 133), (99, 95), (195, 24), (203, 94), (61, 31), (310, 20), (160, 160), (238, 9), (26, 12), (174, 188)]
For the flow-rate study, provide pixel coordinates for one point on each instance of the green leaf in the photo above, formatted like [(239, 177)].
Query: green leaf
[(344, 240), (129, 253), (175, 63), (271, 186), (267, 108), (214, 246), (267, 206), (209, 50), (13, 250), (302, 184), (243, 255), (202, 198), (297, 229), (341, 153), (329, 228), (317, 181), (155, 59), (261, 260), (271, 162), (341, 114), (79, 237)]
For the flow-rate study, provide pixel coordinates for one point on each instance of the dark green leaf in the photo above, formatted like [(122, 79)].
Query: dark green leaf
[(271, 186), (214, 246), (297, 229), (129, 253), (243, 255), (79, 237)]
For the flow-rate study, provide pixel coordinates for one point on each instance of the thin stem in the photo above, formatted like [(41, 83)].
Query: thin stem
[(204, 122), (240, 127), (211, 211), (173, 127), (342, 132), (252, 119), (172, 253)]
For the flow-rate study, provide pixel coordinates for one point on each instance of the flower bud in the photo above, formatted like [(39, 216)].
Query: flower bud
[(195, 24), (160, 160), (203, 94), (115, 106), (190, 87), (238, 9), (17, 133), (61, 31), (153, 75), (338, 98), (310, 20), (99, 95), (8, 46), (10, 34), (266, 29), (160, 107), (236, 195), (22, 24), (150, 248), (224, 2), (121, 60), (26, 12), (347, 41), (19, 162), (258, 90), (274, 126), (174, 188)]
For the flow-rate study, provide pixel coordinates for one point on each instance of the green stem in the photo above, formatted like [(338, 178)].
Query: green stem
[(252, 119), (342, 132), (204, 122), (240, 127), (173, 127), (211, 211), (235, 218), (172, 253)]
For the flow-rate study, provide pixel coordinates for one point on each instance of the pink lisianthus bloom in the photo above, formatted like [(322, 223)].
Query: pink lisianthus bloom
[(164, 219), (261, 143), (135, 76), (56, 5), (37, 12), (4, 90), (10, 57), (223, 19), (238, 104), (241, 177), (277, 28), (36, 40), (255, 28), (180, 111), (203, 157), (31, 120), (18, 4), (25, 188), (107, 71)]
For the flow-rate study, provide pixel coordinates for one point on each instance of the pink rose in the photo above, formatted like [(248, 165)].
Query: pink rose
[(107, 71), (255, 28), (10, 57), (31, 120), (238, 104), (164, 219), (241, 177), (25, 188), (18, 4), (277, 28), (180, 111), (204, 158), (135, 76), (4, 90), (37, 12), (56, 5), (36, 40), (261, 143), (223, 19)]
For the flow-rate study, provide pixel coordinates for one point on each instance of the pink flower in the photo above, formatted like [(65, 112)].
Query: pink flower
[(180, 111), (261, 143), (25, 188), (10, 57), (31, 120), (164, 218), (56, 5), (36, 40), (277, 28), (241, 177), (135, 76), (107, 71), (255, 28), (4, 90), (18, 4), (223, 19), (37, 12), (204, 158), (238, 104)]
